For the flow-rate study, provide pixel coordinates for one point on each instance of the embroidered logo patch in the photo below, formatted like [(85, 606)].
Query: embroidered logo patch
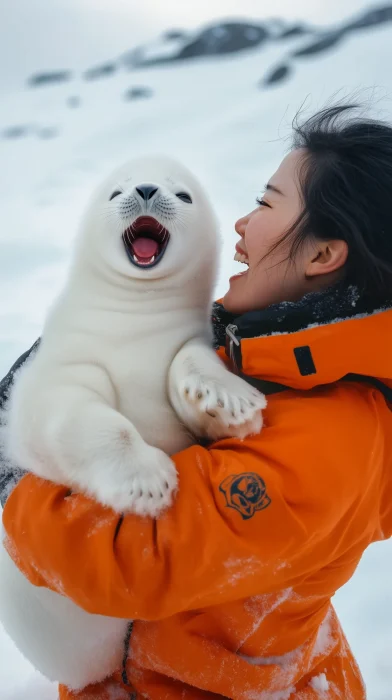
[(246, 493)]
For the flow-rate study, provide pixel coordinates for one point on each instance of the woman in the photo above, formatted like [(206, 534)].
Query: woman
[(231, 589)]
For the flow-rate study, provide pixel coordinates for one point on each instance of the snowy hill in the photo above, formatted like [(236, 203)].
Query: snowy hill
[(226, 113)]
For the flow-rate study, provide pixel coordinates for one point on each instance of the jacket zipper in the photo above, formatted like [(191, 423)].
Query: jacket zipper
[(231, 331)]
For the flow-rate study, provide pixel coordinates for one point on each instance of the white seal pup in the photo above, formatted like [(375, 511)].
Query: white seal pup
[(124, 377)]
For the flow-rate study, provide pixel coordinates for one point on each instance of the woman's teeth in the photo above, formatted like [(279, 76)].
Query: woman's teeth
[(240, 257)]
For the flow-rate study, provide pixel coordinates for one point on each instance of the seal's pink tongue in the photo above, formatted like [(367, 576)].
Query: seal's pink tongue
[(145, 248)]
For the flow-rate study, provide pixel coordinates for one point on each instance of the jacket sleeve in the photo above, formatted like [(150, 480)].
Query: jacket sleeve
[(250, 517), (9, 473)]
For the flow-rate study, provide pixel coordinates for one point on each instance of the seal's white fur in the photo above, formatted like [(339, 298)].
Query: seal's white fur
[(92, 409)]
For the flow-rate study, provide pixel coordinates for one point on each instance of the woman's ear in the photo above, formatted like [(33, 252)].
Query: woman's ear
[(327, 257)]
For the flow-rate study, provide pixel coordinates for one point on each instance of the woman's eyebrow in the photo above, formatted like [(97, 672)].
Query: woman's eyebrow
[(272, 188)]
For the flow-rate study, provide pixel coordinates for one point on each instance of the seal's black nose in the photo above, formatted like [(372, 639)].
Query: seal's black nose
[(146, 191)]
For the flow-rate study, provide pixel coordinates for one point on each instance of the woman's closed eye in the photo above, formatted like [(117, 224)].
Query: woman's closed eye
[(262, 203)]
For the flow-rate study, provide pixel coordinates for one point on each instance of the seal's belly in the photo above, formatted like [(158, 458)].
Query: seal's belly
[(154, 418), (139, 373)]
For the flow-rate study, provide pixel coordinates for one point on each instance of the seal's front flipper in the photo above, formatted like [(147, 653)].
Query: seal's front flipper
[(210, 400)]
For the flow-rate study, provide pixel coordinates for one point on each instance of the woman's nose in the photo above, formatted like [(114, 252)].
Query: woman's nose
[(241, 224)]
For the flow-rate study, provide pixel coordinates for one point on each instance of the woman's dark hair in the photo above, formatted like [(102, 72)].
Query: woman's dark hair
[(346, 183)]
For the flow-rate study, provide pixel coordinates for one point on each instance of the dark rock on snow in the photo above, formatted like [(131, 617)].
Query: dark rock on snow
[(18, 132), (73, 101), (371, 18), (49, 78), (47, 132), (332, 38), (15, 132), (228, 37), (103, 71), (133, 58), (277, 76), (138, 93), (174, 34), (218, 39), (295, 30), (326, 42)]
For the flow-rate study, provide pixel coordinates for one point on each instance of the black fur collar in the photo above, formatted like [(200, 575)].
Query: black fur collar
[(330, 306)]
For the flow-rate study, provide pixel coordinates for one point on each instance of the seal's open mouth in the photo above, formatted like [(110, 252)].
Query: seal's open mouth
[(145, 241)]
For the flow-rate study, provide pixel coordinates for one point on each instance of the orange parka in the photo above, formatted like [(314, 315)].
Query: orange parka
[(230, 590)]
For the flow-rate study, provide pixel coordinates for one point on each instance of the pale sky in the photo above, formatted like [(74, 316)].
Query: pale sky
[(58, 34)]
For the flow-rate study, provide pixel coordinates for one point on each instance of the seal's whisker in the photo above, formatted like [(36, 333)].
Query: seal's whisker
[(109, 216)]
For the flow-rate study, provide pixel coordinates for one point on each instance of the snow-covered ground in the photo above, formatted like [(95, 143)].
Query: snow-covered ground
[(213, 116)]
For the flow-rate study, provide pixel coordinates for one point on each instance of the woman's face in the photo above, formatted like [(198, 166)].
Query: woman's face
[(270, 279)]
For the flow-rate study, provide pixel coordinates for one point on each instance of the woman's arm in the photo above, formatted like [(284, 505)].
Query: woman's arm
[(249, 517)]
